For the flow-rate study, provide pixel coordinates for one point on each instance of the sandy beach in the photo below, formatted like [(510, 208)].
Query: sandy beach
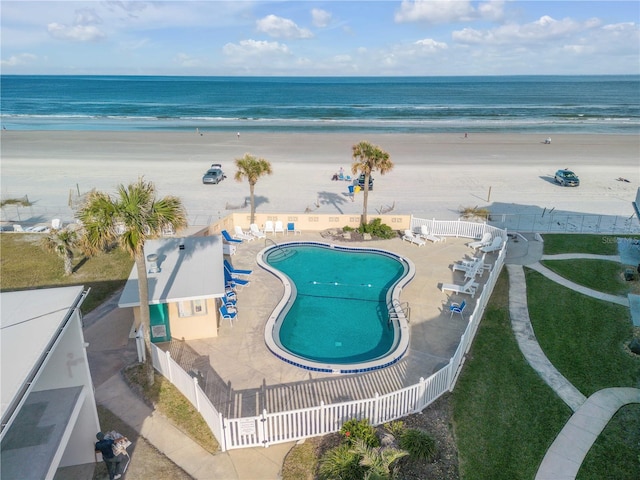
[(434, 174)]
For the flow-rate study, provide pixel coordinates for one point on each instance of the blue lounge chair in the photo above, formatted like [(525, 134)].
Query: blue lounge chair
[(234, 282), (230, 315), (228, 238), (237, 271), (457, 308)]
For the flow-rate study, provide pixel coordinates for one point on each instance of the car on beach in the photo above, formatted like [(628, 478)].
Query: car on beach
[(567, 178), (361, 182), (214, 175)]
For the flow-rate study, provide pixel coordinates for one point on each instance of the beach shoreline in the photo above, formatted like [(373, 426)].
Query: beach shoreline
[(434, 174)]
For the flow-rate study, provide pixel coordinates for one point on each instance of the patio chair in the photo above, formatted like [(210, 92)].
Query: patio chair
[(468, 288), (56, 224), (228, 239), (291, 228), (234, 282), (240, 235), (278, 228), (228, 314), (268, 227), (476, 263), (255, 231), (427, 235), (483, 242), (457, 308), (496, 244), (410, 237), (233, 270)]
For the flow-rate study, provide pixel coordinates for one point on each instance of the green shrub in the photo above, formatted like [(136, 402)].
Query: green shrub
[(395, 428), (419, 444), (377, 229), (341, 463), (353, 430)]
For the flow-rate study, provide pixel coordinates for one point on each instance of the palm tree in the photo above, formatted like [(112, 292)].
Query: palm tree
[(62, 243), (129, 219), (369, 158), (252, 168)]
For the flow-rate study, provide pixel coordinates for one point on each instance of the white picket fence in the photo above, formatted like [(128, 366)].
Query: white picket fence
[(272, 428)]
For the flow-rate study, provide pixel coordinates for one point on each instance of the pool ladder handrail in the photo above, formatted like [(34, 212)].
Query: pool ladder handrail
[(277, 246), (404, 307)]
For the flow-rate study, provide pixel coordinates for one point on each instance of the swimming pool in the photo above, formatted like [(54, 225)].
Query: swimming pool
[(340, 312)]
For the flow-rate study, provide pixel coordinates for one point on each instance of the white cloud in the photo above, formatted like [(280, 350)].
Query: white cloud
[(430, 45), (17, 60), (320, 18), (76, 33), (186, 60), (446, 11), (254, 47), (279, 27), (545, 28)]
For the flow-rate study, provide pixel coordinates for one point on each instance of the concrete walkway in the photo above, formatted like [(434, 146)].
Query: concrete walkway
[(566, 454)]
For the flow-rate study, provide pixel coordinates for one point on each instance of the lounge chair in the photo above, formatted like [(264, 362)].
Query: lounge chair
[(457, 308), (495, 245), (228, 239), (234, 282), (476, 263), (470, 271), (291, 228), (278, 228), (240, 235), (410, 237), (17, 228), (56, 224), (424, 233), (230, 315), (268, 227), (468, 288), (255, 231), (483, 242), (237, 271)]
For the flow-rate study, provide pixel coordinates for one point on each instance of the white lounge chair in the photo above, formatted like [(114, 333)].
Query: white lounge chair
[(279, 228), (468, 288), (467, 265), (495, 245), (56, 224), (483, 242), (470, 271), (427, 235), (240, 235), (410, 237), (268, 227), (255, 231)]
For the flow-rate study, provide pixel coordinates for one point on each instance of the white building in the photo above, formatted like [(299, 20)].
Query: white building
[(186, 279), (49, 416)]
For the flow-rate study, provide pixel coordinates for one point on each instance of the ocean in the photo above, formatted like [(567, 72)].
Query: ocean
[(520, 104)]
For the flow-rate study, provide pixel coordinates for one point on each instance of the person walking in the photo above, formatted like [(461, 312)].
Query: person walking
[(105, 447)]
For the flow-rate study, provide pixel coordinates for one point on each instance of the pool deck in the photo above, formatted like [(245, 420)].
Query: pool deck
[(242, 377)]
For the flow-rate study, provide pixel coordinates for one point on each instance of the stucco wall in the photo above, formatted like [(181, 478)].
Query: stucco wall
[(194, 327)]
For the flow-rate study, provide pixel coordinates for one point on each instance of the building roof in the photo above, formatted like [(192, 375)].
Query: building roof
[(193, 272), (29, 322)]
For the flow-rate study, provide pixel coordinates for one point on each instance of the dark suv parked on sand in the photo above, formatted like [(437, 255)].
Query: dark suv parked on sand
[(361, 182), (567, 178)]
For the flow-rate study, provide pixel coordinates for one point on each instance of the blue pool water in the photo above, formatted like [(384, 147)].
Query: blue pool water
[(338, 313)]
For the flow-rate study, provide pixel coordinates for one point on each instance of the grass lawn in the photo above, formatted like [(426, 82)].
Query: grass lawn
[(505, 416), (168, 400), (573, 243), (601, 275), (24, 265)]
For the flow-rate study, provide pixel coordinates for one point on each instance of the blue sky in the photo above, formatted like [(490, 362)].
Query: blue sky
[(306, 37)]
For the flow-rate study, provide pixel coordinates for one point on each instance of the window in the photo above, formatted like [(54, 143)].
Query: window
[(192, 308)]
